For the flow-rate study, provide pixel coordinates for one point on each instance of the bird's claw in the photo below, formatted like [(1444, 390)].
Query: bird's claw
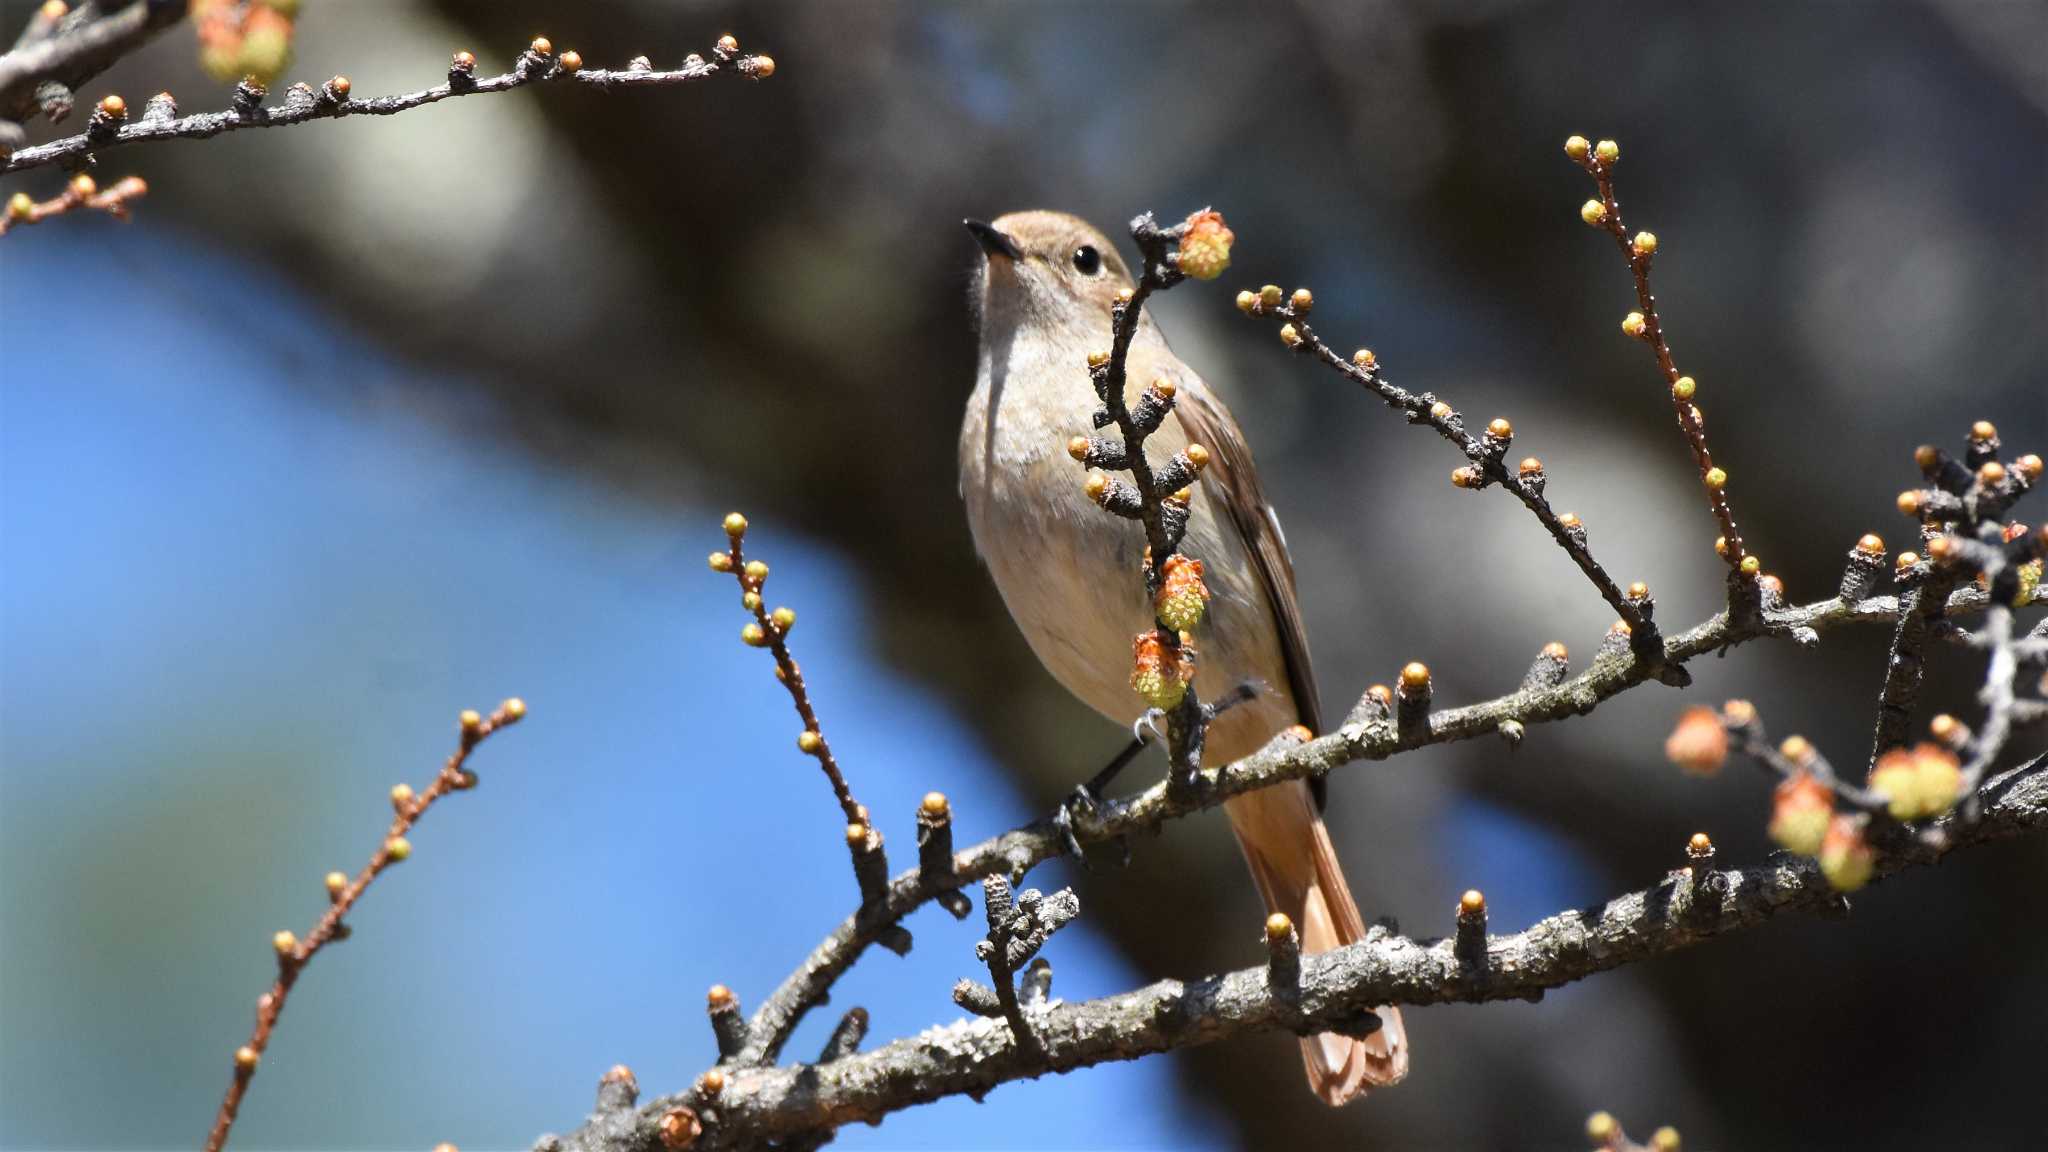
[(1079, 800), (1149, 722)]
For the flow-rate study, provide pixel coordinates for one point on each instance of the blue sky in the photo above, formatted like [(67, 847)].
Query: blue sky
[(245, 587)]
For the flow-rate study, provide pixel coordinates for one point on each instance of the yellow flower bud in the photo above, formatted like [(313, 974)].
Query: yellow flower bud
[(1845, 858), (1205, 246), (1800, 813)]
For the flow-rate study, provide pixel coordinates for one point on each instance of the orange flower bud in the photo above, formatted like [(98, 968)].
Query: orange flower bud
[(1182, 595), (1205, 246), (1800, 811), (1158, 673), (1698, 743), (1845, 858)]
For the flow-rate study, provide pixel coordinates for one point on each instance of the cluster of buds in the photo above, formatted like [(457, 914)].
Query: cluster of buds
[(1161, 672), (1605, 1131), (80, 192), (1961, 514), (1907, 784), (245, 38), (1918, 782), (1019, 924), (541, 60), (1182, 597), (1269, 300), (1801, 811), (727, 51), (1205, 242), (767, 628), (1163, 659)]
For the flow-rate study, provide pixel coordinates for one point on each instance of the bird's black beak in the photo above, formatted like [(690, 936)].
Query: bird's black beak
[(993, 241)]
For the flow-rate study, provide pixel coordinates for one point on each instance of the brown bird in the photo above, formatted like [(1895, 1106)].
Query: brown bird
[(1070, 574)]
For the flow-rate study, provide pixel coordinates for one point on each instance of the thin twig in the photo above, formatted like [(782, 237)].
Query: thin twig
[(1488, 454), (771, 630), (1960, 520), (1638, 250), (293, 954), (1149, 496), (1747, 725), (82, 192), (302, 103)]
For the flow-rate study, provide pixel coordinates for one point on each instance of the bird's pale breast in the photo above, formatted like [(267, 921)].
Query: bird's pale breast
[(1069, 572)]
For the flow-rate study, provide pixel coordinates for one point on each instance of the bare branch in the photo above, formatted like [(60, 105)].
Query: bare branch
[(1487, 453), (1647, 326), (1016, 852), (302, 103), (82, 193), (293, 954), (758, 1107), (78, 46)]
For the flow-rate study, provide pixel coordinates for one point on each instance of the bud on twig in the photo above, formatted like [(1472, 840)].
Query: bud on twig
[(1283, 955), (1471, 943), (728, 1025), (1411, 714)]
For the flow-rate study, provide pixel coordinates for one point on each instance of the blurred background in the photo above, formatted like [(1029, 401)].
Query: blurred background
[(360, 424)]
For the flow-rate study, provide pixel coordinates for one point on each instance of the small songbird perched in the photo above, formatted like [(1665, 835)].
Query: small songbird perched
[(1071, 574)]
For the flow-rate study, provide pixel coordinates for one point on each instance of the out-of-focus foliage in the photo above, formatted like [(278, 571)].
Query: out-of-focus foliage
[(757, 290)]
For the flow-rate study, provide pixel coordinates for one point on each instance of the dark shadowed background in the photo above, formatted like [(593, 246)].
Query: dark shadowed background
[(363, 423)]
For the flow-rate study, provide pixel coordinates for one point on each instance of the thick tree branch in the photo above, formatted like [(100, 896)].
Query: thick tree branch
[(764, 1107), (80, 45), (1016, 852)]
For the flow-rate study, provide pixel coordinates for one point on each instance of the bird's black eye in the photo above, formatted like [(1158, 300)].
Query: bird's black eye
[(1087, 260)]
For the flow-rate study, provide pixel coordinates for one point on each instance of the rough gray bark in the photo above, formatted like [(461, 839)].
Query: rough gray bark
[(302, 103), (796, 1105), (1016, 852)]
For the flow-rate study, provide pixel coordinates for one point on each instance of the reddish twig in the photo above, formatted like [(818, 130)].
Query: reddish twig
[(770, 630), (293, 954), (83, 192), (1648, 326)]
